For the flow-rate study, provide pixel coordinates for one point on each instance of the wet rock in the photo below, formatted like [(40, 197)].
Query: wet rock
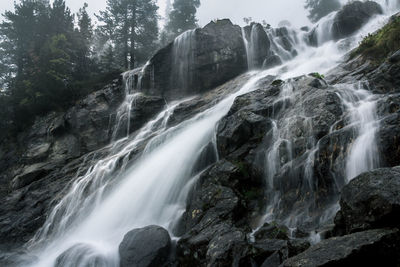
[(297, 246), (145, 247), (395, 57), (233, 132), (371, 200), (388, 139), (272, 231), (369, 248), (319, 83), (272, 61), (30, 174), (143, 109), (82, 255), (260, 44), (219, 55), (352, 17)]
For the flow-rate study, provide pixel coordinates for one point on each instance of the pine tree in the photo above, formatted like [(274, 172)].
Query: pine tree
[(133, 29), (83, 41), (182, 17), (320, 8)]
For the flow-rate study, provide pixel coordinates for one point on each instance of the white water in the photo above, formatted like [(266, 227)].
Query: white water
[(183, 60), (361, 104), (116, 195)]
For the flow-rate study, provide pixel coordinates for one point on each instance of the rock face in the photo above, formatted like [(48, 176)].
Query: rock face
[(146, 247), (216, 54), (371, 200), (259, 44), (369, 248), (352, 17), (37, 166)]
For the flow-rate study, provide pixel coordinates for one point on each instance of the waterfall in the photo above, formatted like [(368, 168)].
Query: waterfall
[(361, 104), (145, 178), (183, 61), (268, 47)]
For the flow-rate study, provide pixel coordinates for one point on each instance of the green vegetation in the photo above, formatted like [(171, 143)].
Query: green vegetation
[(277, 83), (320, 8), (243, 168), (50, 57), (317, 75), (253, 194), (379, 45), (181, 17)]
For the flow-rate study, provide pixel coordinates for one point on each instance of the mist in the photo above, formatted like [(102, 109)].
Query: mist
[(272, 11)]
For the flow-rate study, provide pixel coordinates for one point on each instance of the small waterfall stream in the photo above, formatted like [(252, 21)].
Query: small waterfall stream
[(118, 194)]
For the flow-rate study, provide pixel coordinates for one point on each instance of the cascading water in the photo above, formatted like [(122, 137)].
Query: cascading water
[(276, 45), (183, 60), (128, 189), (123, 117), (363, 155)]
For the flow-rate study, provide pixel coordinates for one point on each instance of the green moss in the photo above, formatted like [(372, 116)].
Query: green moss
[(243, 168), (317, 75), (277, 83), (379, 45), (251, 194), (279, 229)]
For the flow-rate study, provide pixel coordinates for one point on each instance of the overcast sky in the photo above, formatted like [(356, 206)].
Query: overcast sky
[(272, 11)]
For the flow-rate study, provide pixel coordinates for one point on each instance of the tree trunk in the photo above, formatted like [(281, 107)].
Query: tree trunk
[(133, 34)]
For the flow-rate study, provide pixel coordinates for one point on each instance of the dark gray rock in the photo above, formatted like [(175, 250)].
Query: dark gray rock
[(272, 61), (145, 247), (370, 248), (272, 231), (259, 42), (352, 17), (388, 139), (217, 55), (371, 200)]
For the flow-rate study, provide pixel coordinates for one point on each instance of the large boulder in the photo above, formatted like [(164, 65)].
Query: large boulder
[(259, 44), (82, 255), (352, 17), (207, 57), (371, 200), (145, 247), (370, 248)]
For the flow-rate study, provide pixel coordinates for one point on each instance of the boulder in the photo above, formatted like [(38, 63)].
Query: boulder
[(82, 255), (352, 17), (259, 44), (209, 57), (145, 247), (371, 200), (370, 248), (272, 61)]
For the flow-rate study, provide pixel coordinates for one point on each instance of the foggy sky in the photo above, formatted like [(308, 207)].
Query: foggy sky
[(272, 11)]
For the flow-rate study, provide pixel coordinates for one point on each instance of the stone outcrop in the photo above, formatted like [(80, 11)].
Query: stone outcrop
[(369, 248), (371, 200), (216, 55), (352, 17), (145, 247)]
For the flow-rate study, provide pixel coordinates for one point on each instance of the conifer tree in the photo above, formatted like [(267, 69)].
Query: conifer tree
[(182, 17), (320, 8)]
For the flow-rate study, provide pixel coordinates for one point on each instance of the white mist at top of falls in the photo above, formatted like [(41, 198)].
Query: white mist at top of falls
[(118, 194)]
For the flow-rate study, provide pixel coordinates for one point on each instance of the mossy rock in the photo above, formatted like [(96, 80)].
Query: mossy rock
[(317, 75), (379, 45), (277, 82)]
